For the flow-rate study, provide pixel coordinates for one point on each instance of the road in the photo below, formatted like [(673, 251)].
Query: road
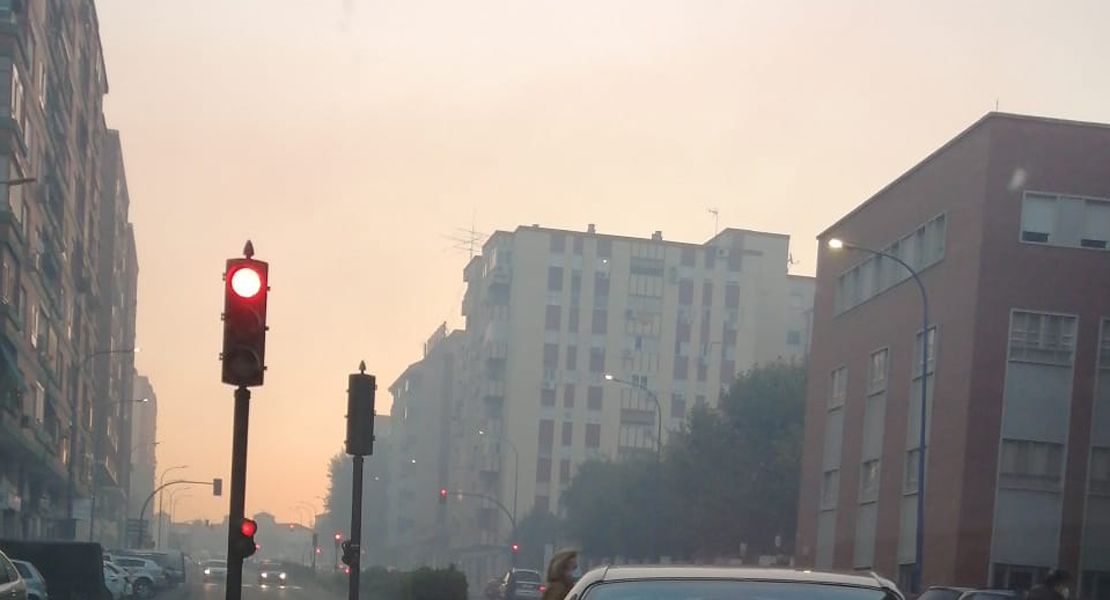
[(295, 590)]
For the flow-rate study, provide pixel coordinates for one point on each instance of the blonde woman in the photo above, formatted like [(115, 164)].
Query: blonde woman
[(560, 574)]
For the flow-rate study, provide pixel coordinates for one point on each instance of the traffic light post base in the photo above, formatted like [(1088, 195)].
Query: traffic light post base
[(238, 493), (353, 552)]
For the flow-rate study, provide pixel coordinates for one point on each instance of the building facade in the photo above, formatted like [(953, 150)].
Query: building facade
[(424, 398), (144, 445), (51, 152), (114, 365), (1008, 226), (549, 313)]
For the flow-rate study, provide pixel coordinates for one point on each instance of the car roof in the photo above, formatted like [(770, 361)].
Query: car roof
[(631, 572)]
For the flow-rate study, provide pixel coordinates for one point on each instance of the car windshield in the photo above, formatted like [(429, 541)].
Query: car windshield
[(727, 590), (24, 572), (528, 577)]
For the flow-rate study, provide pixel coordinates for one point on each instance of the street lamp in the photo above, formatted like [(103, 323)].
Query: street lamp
[(73, 453), (161, 497), (516, 467), (96, 485), (174, 499), (919, 541), (658, 456)]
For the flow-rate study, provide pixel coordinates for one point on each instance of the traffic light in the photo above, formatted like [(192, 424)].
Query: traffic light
[(443, 495), (245, 545), (350, 554), (246, 287), (361, 390), (338, 536), (217, 487), (516, 547)]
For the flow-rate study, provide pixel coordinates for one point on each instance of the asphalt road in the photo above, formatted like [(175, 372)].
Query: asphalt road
[(253, 591)]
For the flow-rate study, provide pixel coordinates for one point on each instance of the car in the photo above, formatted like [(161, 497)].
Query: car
[(272, 574), (36, 583), (12, 585), (525, 584), (689, 583), (214, 570)]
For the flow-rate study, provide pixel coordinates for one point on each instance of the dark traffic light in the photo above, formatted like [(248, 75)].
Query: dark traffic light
[(245, 545), (246, 287), (350, 554), (361, 390), (443, 495)]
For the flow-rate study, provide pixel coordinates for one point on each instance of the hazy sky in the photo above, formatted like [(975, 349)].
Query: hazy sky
[(349, 139)]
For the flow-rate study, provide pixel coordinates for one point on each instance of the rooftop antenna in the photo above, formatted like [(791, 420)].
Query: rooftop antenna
[(468, 239), (716, 220), (996, 105)]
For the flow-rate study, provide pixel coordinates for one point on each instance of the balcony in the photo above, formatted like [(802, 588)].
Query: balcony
[(495, 351), (493, 390)]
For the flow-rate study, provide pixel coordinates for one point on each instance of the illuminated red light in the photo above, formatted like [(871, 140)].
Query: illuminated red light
[(338, 537), (246, 282), (248, 527)]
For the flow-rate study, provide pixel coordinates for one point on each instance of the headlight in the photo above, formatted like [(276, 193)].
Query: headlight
[(282, 576), (208, 571), (265, 575)]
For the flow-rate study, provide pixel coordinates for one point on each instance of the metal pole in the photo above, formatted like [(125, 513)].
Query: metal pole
[(658, 476), (356, 528), (71, 526), (238, 492)]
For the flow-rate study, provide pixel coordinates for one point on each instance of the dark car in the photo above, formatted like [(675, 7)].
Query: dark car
[(272, 574), (522, 584), (214, 570), (721, 583)]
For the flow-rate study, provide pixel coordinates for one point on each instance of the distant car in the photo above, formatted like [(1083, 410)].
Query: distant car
[(272, 574), (12, 585), (36, 583), (522, 584), (635, 582), (214, 570)]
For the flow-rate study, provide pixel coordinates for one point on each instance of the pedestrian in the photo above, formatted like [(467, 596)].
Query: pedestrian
[(561, 573), (1056, 586)]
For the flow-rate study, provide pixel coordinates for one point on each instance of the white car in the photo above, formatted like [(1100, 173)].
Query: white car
[(147, 575), (11, 582), (116, 581)]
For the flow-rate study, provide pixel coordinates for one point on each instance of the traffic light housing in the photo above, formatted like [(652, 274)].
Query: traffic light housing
[(350, 554), (443, 495), (246, 288), (361, 390), (245, 545)]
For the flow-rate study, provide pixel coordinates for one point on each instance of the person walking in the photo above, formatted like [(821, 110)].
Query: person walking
[(1056, 586), (561, 573)]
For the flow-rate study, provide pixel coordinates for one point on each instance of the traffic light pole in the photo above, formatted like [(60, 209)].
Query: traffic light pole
[(238, 492), (356, 528)]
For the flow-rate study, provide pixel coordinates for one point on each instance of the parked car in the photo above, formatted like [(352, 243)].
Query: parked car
[(36, 583), (148, 576), (682, 583), (11, 582), (115, 579)]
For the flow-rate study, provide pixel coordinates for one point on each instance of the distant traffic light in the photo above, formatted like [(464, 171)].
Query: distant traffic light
[(516, 547), (443, 495), (350, 554), (244, 544), (338, 536), (361, 390), (246, 287)]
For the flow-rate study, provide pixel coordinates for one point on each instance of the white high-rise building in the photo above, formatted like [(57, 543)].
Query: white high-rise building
[(550, 312)]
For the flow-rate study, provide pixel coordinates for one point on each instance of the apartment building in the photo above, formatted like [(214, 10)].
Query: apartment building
[(1008, 226), (52, 142), (144, 445), (424, 396), (549, 313)]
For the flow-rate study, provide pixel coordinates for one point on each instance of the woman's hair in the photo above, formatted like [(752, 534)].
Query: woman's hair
[(558, 564)]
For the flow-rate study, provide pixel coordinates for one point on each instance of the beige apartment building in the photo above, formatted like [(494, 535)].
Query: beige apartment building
[(550, 312)]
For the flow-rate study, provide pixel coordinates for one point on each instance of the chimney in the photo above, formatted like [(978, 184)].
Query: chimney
[(591, 228), (657, 236)]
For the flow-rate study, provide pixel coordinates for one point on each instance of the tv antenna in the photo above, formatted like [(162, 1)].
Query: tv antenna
[(468, 239), (716, 220)]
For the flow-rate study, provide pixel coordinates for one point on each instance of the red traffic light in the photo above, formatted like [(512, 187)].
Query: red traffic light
[(246, 282), (248, 527), (516, 547), (338, 536), (443, 492)]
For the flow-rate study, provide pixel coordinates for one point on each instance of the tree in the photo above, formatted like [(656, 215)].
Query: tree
[(337, 503), (609, 505)]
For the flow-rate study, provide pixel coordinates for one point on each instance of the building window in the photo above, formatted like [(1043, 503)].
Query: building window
[(17, 96), (1029, 465), (547, 433), (1042, 338), (930, 349), (922, 248), (838, 388), (568, 433), (793, 338), (1100, 471), (555, 279), (593, 435), (564, 471), (876, 376), (869, 481), (830, 489), (593, 397), (1095, 230), (678, 405), (909, 480), (558, 243), (568, 396), (1038, 218), (553, 318)]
